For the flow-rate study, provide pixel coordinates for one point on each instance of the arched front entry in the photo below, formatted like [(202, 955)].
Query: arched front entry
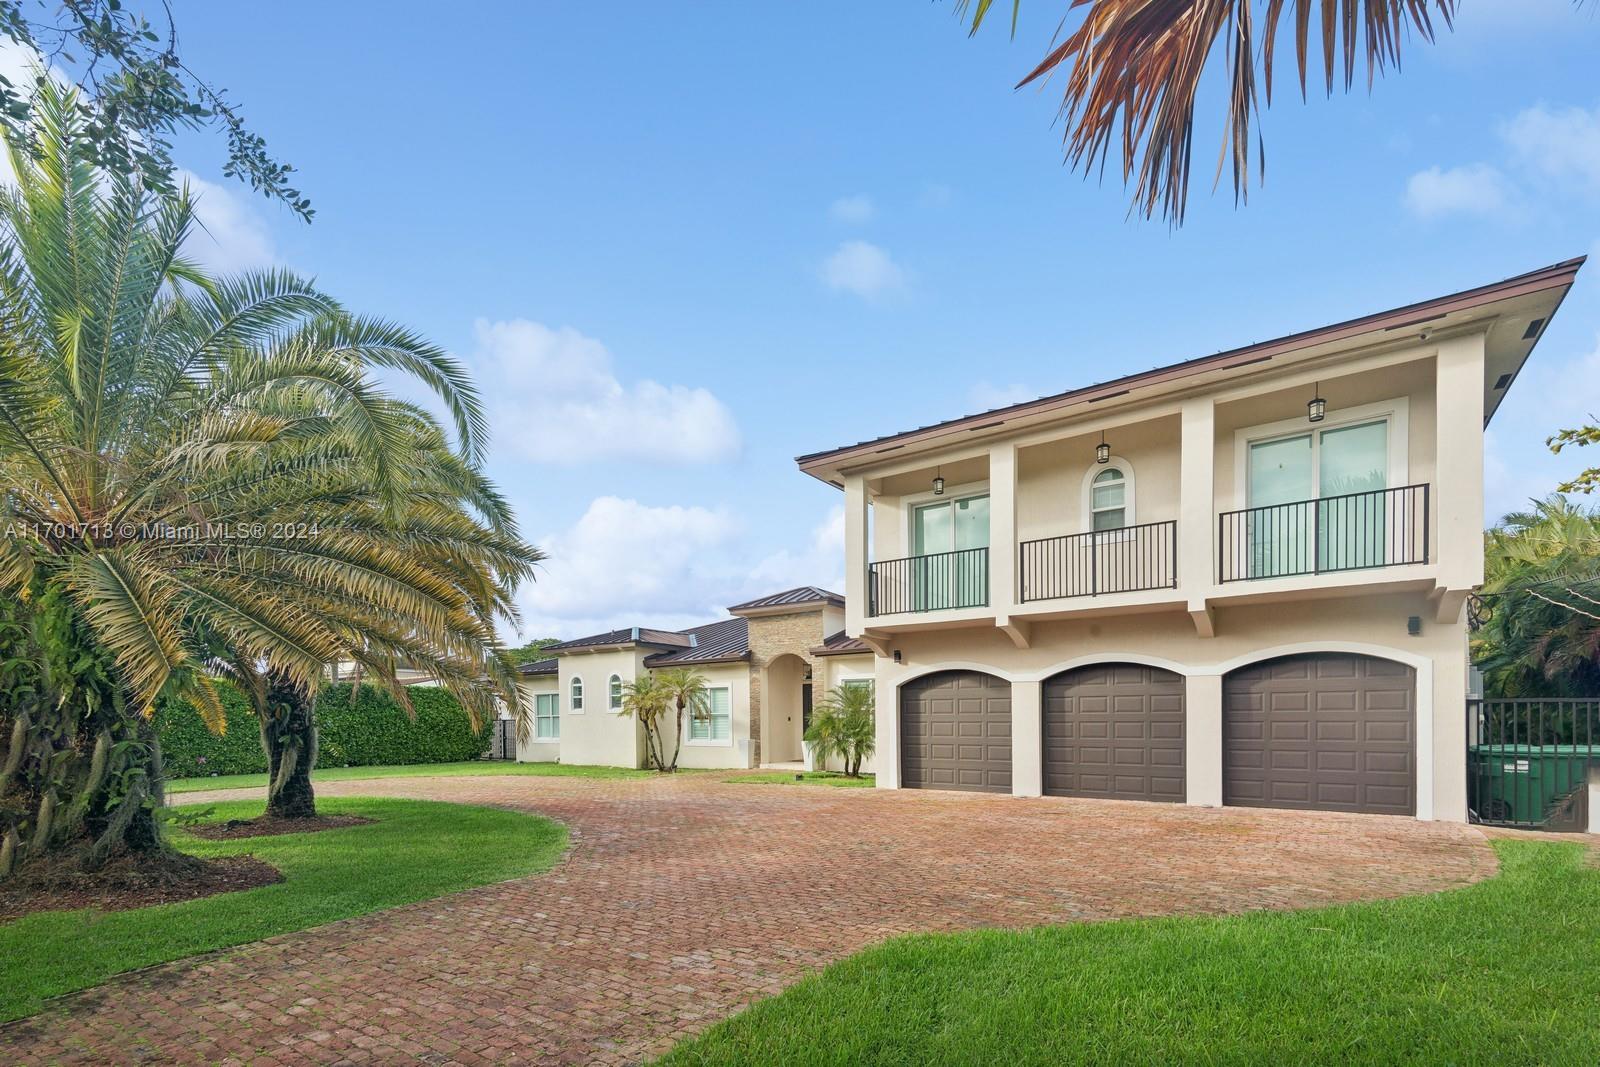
[(785, 706), (1328, 731), (955, 732), (1114, 731)]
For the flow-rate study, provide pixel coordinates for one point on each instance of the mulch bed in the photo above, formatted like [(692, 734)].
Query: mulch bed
[(129, 882), (269, 826)]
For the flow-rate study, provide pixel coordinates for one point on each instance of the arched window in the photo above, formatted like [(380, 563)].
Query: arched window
[(1108, 495), (576, 703), (614, 687)]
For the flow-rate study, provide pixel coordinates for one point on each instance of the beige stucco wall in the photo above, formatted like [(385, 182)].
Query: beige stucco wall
[(529, 750), (597, 735), (1050, 478), (736, 677), (1373, 625)]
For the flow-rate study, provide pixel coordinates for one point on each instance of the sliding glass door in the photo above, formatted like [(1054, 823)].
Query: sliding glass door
[(1316, 500), (949, 571)]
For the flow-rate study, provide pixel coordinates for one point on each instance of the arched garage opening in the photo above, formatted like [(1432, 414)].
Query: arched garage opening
[(955, 732), (1114, 731), (1325, 731)]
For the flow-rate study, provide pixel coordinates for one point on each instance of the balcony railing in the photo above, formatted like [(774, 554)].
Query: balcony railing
[(929, 583), (1104, 561), (1355, 531)]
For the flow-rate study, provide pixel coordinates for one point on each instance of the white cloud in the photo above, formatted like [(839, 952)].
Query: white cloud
[(986, 395), (231, 235), (556, 399), (863, 269), (624, 563), (1476, 189), (1561, 144), (858, 208)]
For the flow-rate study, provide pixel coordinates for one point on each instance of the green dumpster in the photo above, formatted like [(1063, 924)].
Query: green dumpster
[(1520, 783)]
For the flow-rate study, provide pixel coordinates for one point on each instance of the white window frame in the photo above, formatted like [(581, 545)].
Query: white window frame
[(575, 689), (1129, 496), (539, 720), (614, 692), (910, 503), (705, 742), (1395, 412)]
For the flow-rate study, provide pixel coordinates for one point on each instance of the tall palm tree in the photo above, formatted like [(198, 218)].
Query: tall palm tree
[(202, 475), (1133, 70)]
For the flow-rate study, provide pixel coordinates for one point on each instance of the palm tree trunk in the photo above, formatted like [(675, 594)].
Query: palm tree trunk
[(289, 736)]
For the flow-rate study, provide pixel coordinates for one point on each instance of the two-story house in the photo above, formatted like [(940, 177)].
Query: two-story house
[(1238, 579)]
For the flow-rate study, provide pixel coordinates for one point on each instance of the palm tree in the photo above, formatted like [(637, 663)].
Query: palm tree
[(201, 475), (648, 701), (1134, 67), (686, 691), (1541, 634), (843, 725)]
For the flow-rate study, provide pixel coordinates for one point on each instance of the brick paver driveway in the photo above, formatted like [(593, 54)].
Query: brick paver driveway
[(682, 900)]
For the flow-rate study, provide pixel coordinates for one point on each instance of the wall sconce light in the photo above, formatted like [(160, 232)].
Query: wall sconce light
[(897, 655), (1414, 625), (1316, 407), (938, 481), (1102, 451)]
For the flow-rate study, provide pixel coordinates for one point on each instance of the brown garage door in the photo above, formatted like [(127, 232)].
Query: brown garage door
[(1114, 731), (955, 733), (1326, 731)]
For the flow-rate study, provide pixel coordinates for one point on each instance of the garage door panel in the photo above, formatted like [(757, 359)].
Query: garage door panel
[(1327, 730), (1114, 732), (955, 733)]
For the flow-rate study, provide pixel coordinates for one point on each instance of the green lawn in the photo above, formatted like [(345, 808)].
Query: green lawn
[(419, 770), (1506, 971), (803, 778), (416, 850)]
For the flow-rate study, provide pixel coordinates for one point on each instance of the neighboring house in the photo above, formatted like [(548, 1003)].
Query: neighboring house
[(765, 668), (1238, 579)]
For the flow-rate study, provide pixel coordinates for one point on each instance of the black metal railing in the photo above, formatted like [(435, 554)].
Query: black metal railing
[(1103, 561), (1353, 531), (1529, 761), (942, 580)]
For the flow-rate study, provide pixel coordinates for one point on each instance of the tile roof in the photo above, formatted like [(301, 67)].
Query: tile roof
[(714, 642), (805, 594), (539, 666), (840, 645)]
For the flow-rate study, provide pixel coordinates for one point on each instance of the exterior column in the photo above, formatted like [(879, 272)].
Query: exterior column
[(886, 717), (855, 554), (1457, 493), (1003, 529), (1027, 738), (1202, 733), (1197, 510)]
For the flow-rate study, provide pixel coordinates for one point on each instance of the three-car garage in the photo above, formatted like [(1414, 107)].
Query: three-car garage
[(1328, 731)]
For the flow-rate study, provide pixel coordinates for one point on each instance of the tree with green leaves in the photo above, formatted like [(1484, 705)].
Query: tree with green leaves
[(201, 475), (647, 702), (686, 693), (843, 725), (1540, 630), (135, 93), (533, 651)]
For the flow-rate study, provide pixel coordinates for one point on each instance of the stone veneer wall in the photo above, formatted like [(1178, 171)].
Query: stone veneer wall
[(772, 636)]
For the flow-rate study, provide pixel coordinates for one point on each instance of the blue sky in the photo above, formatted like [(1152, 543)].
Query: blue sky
[(671, 239)]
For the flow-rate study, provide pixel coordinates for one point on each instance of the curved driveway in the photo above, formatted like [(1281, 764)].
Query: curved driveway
[(683, 900)]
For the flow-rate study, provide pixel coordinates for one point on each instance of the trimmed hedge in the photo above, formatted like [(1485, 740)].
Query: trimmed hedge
[(373, 731)]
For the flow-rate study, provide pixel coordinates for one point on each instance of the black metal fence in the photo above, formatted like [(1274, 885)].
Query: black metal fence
[(502, 740), (1104, 561), (1529, 760), (1353, 531), (934, 582)]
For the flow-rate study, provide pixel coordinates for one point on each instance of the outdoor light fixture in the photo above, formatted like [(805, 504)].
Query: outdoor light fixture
[(1316, 407), (1102, 451), (938, 481)]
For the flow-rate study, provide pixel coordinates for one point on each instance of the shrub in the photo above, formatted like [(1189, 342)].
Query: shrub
[(373, 730)]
